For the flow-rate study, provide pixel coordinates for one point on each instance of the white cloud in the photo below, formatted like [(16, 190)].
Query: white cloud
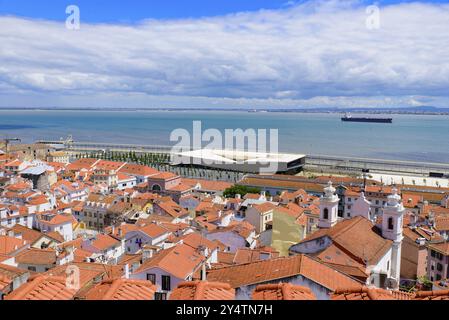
[(315, 54)]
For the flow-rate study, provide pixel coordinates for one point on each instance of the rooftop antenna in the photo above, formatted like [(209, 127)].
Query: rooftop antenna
[(364, 173)]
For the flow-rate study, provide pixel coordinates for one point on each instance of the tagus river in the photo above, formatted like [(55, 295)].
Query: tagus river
[(410, 137)]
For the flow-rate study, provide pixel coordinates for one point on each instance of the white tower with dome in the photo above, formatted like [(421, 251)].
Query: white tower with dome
[(392, 227), (328, 207)]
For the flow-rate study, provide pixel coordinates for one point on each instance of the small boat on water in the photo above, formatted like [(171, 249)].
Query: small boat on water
[(349, 118)]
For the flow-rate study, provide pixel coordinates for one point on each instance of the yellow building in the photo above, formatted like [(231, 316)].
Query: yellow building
[(288, 228)]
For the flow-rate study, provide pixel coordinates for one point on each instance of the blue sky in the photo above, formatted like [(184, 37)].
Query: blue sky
[(109, 11), (229, 53)]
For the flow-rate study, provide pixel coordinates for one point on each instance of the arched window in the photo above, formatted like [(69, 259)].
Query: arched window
[(156, 187), (390, 223), (326, 213)]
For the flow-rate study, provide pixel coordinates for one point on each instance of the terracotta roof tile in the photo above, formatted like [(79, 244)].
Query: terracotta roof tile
[(209, 185), (140, 170), (358, 237), (9, 245), (202, 290), (280, 268), (26, 233), (122, 289), (283, 291), (366, 293), (164, 176), (432, 295), (180, 261), (37, 257), (103, 242), (43, 288)]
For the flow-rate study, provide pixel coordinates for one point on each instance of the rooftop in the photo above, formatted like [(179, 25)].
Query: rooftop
[(202, 290), (277, 269), (282, 291), (122, 289), (43, 287)]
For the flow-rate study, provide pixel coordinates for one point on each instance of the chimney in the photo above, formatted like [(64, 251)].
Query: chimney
[(120, 232), (203, 272), (127, 271), (147, 254), (113, 229)]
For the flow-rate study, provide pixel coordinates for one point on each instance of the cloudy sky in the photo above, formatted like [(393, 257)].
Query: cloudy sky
[(224, 53)]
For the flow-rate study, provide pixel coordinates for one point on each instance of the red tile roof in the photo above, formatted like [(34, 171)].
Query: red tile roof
[(180, 261), (43, 288), (122, 289), (164, 176), (37, 257), (277, 269), (103, 242), (208, 185), (432, 295), (202, 290), (26, 233), (153, 230), (366, 293), (358, 237), (282, 291), (58, 219), (172, 208), (139, 170), (264, 207), (9, 245)]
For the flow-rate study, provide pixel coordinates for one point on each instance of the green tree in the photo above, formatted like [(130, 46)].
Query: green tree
[(241, 190)]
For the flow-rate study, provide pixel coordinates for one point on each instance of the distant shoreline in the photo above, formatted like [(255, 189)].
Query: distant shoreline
[(412, 111)]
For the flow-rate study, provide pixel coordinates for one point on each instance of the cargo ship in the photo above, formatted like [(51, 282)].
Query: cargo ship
[(349, 118)]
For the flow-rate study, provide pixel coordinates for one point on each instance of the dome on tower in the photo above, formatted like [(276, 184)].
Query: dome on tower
[(329, 190), (394, 199)]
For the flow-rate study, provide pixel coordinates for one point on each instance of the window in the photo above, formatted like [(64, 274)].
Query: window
[(439, 267), (160, 296), (32, 269), (388, 266), (390, 223), (326, 213), (151, 277), (438, 277), (166, 283)]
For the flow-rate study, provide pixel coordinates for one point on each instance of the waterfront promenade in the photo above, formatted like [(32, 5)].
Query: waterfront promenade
[(318, 163)]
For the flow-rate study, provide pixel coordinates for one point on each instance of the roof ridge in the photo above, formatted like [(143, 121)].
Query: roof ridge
[(286, 290), (260, 261), (115, 285), (200, 288)]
